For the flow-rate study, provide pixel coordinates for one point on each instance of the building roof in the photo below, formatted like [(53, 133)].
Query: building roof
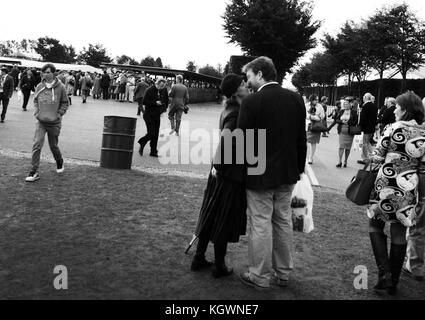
[(38, 64), (189, 75)]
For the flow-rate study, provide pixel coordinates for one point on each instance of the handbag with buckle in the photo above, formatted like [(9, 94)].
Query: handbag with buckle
[(362, 184)]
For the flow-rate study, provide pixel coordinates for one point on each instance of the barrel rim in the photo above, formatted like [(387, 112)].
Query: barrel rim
[(121, 117)]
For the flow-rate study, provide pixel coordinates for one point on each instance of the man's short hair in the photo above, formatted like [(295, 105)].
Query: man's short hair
[(263, 64), (179, 78), (48, 66), (368, 96), (5, 70)]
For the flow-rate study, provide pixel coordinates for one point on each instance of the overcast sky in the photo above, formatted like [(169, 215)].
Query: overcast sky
[(176, 31)]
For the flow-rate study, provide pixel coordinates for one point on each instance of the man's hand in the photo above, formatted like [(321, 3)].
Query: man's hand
[(158, 103)]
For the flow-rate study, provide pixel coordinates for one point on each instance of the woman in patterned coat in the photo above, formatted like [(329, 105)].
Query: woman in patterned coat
[(395, 196)]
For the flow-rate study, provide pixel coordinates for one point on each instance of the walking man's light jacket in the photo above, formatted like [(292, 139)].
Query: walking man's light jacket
[(50, 102)]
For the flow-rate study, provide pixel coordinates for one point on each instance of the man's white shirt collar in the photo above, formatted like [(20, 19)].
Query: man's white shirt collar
[(266, 84)]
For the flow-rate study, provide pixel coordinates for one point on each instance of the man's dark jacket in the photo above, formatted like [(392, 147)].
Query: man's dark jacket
[(283, 114), (152, 95), (27, 83), (8, 87), (368, 117), (386, 116), (105, 81)]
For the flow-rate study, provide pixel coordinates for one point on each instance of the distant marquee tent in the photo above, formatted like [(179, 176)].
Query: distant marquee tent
[(25, 63)]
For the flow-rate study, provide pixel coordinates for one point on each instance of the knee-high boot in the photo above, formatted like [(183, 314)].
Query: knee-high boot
[(199, 262), (380, 251), (397, 254), (220, 269)]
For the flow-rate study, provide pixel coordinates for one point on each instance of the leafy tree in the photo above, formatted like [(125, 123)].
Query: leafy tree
[(191, 66), (94, 55), (280, 29), (148, 62), (124, 59), (380, 47), (302, 78), (323, 69), (210, 71), (407, 33), (9, 47), (158, 62), (52, 50)]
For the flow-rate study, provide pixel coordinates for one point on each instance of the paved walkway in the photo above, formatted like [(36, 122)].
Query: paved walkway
[(82, 129)]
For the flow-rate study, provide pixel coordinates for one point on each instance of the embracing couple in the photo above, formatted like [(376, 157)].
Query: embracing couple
[(233, 195)]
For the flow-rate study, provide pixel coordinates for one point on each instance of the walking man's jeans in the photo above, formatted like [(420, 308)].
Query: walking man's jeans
[(139, 105), (153, 122), (416, 248), (4, 100), (26, 94), (367, 147), (105, 92), (53, 132), (270, 235), (175, 116)]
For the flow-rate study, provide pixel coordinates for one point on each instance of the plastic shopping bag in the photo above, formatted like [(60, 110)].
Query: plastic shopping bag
[(20, 96), (358, 142), (302, 205)]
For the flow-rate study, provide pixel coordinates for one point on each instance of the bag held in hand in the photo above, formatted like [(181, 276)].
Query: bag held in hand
[(361, 185), (318, 126)]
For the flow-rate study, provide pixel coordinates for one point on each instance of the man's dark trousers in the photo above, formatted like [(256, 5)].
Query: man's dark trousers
[(153, 122), (5, 103), (26, 94)]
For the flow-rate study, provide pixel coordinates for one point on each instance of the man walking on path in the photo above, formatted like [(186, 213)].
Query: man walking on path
[(139, 94), (179, 98), (104, 83), (7, 86), (154, 103), (282, 114), (50, 104), (26, 84), (368, 118)]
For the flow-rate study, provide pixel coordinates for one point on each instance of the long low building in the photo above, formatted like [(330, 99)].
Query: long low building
[(25, 63), (168, 73)]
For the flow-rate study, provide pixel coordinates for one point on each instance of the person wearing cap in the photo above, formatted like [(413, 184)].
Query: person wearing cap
[(282, 113), (179, 95), (7, 86), (154, 102), (222, 218), (50, 104)]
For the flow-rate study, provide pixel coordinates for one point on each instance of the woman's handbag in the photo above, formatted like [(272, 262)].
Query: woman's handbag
[(357, 129), (362, 184), (302, 205), (318, 126)]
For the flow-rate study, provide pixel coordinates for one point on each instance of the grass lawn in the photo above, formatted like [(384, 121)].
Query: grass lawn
[(122, 235)]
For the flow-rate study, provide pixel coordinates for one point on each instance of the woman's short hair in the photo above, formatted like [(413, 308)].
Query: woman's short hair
[(412, 104), (48, 66), (263, 64), (324, 99), (391, 100), (313, 97)]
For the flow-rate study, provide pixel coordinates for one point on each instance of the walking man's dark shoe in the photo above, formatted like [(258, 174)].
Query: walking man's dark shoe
[(199, 264)]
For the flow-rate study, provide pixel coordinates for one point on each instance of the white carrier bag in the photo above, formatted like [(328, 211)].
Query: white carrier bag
[(302, 204)]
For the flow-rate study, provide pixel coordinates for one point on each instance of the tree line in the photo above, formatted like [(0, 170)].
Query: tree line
[(53, 50), (391, 39)]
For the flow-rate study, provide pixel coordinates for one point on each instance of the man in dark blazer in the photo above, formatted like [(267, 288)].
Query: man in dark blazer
[(155, 102), (281, 113), (368, 117), (7, 86)]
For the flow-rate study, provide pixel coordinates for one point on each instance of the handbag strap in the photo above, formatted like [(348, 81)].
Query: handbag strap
[(370, 165)]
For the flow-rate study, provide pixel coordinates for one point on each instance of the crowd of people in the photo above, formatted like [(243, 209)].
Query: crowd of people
[(393, 139), (233, 198)]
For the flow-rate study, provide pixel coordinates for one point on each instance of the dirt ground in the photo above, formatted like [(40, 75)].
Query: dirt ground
[(122, 235)]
